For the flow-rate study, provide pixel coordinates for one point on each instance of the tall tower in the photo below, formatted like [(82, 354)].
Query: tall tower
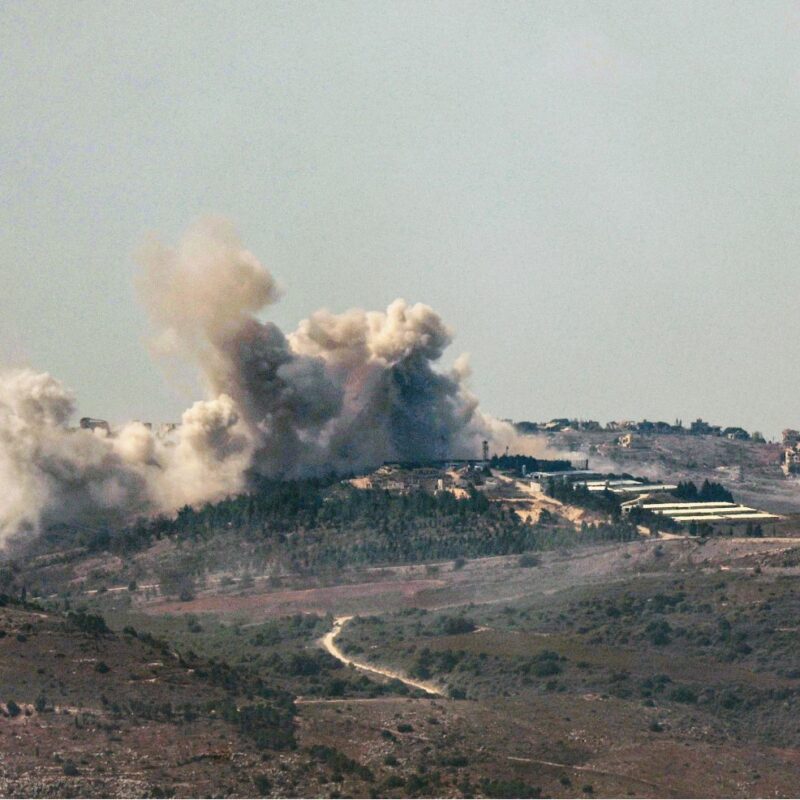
[(485, 450)]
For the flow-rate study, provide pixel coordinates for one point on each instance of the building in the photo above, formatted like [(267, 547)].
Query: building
[(736, 434), (791, 461), (700, 427), (719, 515), (558, 424), (539, 479), (622, 486), (91, 424), (621, 425), (791, 437)]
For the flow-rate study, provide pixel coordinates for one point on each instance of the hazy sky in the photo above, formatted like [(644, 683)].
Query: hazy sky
[(602, 199)]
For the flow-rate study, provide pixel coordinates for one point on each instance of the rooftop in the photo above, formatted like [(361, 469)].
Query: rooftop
[(708, 512)]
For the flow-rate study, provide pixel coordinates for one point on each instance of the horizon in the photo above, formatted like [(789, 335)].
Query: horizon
[(597, 199)]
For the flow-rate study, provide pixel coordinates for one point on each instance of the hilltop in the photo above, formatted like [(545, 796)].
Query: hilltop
[(752, 469)]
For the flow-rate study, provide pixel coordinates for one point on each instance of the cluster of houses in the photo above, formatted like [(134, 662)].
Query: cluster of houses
[(632, 493), (432, 477), (697, 428), (790, 463)]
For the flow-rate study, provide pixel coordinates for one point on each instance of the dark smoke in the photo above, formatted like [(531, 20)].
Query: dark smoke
[(342, 392)]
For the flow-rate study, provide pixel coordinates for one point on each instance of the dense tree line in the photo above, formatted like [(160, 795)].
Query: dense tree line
[(656, 522), (577, 495), (709, 492), (314, 525)]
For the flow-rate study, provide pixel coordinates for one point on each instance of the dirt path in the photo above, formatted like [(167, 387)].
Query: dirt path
[(593, 770), (328, 641), (330, 701)]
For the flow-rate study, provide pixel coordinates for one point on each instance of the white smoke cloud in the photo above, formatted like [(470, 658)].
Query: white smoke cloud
[(52, 473), (342, 392)]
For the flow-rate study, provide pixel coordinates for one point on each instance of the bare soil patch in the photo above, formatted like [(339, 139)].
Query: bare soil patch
[(319, 600)]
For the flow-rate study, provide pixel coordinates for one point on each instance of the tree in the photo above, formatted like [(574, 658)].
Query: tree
[(452, 626)]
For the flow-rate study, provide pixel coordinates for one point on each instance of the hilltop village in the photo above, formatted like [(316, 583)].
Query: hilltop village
[(596, 473), (540, 489)]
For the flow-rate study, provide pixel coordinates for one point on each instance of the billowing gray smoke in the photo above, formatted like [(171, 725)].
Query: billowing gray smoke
[(51, 473), (342, 392)]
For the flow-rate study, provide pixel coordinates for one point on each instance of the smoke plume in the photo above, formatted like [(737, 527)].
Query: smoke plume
[(340, 393)]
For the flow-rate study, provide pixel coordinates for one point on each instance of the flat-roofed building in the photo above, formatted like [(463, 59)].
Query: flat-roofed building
[(627, 486), (717, 514), (539, 479)]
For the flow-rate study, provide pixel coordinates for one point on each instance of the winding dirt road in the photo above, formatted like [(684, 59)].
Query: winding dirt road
[(328, 641)]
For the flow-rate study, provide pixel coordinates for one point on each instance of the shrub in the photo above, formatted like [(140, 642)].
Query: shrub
[(340, 763), (452, 626), (102, 667), (70, 769), (269, 726), (304, 664), (730, 700), (502, 787), (455, 761), (263, 784), (336, 688), (683, 694), (13, 709), (544, 669), (415, 784), (88, 623), (659, 632), (529, 560)]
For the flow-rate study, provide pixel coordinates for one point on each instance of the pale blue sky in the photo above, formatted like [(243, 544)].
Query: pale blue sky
[(602, 199)]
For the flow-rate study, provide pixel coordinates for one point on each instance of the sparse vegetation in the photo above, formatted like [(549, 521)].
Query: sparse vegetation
[(639, 651)]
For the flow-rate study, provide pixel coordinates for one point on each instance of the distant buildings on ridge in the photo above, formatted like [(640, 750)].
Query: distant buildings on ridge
[(697, 428)]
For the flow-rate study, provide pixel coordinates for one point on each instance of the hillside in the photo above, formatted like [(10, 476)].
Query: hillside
[(571, 656), (90, 712), (283, 533), (750, 469)]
